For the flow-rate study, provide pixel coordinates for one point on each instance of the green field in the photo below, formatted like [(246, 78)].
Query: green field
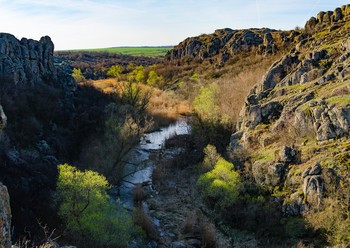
[(134, 51)]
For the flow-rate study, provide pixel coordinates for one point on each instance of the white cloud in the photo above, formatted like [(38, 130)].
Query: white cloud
[(103, 23)]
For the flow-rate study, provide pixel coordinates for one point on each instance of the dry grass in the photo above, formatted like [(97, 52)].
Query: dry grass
[(164, 106), (208, 234), (139, 195), (144, 221), (236, 84), (190, 223)]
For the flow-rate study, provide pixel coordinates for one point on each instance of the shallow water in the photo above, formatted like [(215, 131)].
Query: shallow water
[(139, 168)]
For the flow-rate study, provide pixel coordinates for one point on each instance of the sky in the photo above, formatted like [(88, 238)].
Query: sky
[(78, 24)]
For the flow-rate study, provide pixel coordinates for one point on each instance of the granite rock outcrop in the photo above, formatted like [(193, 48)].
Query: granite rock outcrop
[(223, 44), (302, 102), (26, 61)]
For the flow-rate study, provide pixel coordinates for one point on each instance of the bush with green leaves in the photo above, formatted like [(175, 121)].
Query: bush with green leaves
[(78, 75), (87, 211), (137, 75), (154, 79), (220, 186), (205, 103), (115, 71)]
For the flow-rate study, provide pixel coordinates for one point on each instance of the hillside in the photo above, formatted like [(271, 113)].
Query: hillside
[(291, 139), (296, 122), (302, 103)]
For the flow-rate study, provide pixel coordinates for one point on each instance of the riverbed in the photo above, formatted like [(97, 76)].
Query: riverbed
[(139, 165)]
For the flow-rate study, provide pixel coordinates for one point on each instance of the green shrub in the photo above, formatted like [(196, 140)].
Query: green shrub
[(87, 211), (137, 75), (115, 71), (221, 185), (205, 103), (78, 75), (154, 79)]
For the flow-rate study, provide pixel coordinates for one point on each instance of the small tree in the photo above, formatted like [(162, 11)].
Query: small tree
[(133, 95), (87, 210), (115, 71), (210, 159), (205, 103), (137, 75), (78, 75), (154, 78)]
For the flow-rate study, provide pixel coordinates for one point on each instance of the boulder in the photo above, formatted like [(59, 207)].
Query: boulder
[(294, 205), (194, 243), (178, 244), (313, 185), (313, 190), (287, 154), (331, 122), (271, 111), (268, 173), (337, 15), (5, 218), (310, 26)]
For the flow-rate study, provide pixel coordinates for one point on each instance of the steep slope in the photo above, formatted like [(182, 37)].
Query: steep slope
[(292, 137), (296, 120)]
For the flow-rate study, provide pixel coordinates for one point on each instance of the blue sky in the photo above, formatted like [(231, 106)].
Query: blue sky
[(74, 24)]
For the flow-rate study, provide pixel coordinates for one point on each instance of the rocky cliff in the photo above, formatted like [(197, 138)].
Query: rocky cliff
[(5, 218), (296, 120), (225, 43), (39, 127), (26, 60)]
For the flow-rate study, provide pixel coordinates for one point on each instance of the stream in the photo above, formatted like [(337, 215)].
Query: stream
[(139, 166)]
